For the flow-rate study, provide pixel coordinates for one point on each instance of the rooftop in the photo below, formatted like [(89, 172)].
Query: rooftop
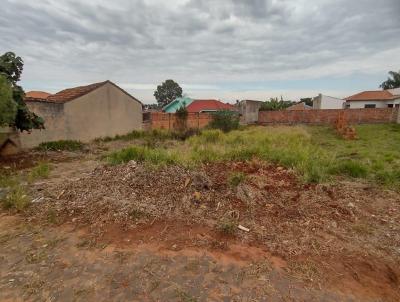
[(376, 95)]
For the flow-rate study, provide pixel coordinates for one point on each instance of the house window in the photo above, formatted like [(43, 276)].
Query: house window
[(397, 105), (390, 105), (370, 106), (347, 106)]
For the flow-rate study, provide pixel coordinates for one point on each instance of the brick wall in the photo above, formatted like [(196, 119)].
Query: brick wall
[(328, 116), (161, 120)]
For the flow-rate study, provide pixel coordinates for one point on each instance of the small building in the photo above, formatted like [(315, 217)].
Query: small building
[(84, 113), (374, 99), (327, 102), (176, 104), (248, 110), (299, 106), (198, 106)]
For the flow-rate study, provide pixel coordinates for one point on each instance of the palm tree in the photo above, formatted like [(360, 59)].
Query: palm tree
[(393, 81)]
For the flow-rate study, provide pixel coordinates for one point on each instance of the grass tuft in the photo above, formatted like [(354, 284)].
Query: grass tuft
[(42, 170), (16, 199), (67, 145), (227, 226), (236, 178)]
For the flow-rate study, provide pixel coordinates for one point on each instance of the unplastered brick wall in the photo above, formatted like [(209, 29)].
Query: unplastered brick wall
[(161, 120), (329, 116)]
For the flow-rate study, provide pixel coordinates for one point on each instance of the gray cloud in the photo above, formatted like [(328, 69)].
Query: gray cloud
[(199, 41)]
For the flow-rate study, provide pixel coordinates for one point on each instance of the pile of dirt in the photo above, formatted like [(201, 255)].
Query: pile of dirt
[(289, 217)]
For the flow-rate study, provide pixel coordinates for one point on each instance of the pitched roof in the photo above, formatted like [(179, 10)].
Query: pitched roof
[(176, 104), (37, 94), (70, 94), (377, 95), (73, 93), (208, 105)]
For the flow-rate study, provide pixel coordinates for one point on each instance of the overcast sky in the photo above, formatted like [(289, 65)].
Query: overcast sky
[(226, 49)]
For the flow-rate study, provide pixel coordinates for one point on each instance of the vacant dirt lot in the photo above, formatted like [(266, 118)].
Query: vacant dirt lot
[(131, 232)]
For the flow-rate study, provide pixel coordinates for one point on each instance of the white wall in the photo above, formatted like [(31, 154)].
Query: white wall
[(379, 104), (327, 102)]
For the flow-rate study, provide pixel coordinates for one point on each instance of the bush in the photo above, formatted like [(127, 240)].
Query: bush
[(225, 120), (68, 145)]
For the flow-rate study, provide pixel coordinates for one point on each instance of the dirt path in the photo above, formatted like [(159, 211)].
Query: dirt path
[(63, 264)]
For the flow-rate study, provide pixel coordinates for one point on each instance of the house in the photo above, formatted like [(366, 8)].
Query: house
[(176, 104), (299, 106), (84, 113), (248, 110), (374, 99), (209, 106), (327, 102)]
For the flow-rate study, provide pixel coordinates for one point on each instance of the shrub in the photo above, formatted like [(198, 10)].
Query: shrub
[(68, 145), (181, 118), (236, 178), (225, 120)]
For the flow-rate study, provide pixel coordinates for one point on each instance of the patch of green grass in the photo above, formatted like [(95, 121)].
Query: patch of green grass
[(16, 198), (375, 155), (142, 154), (68, 145), (236, 178), (41, 170), (352, 168), (316, 153)]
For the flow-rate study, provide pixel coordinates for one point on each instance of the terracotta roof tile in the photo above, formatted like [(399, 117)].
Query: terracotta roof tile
[(378, 95), (208, 105), (37, 94), (73, 93)]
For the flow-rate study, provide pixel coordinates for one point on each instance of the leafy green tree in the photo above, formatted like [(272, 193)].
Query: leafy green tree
[(393, 81), (8, 108), (307, 101), (11, 68), (167, 92), (275, 104)]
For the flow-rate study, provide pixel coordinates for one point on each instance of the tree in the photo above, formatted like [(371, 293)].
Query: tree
[(393, 81), (11, 68), (274, 104), (8, 108), (167, 92)]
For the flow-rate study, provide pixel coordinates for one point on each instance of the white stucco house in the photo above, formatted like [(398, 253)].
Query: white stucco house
[(327, 102), (374, 99)]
